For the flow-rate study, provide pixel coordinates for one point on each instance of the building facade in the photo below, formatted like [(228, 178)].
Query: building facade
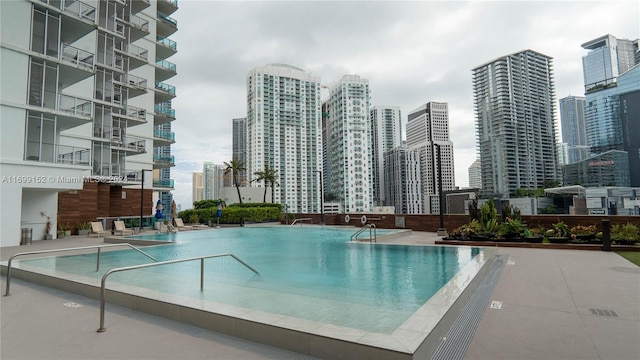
[(428, 135), (84, 98), (284, 132), (574, 131), (239, 148), (475, 175), (403, 180), (197, 190), (386, 134), (348, 141), (212, 181), (514, 101)]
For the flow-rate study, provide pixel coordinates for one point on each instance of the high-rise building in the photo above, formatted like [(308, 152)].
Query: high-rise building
[(428, 133), (348, 141), (402, 180), (514, 100), (608, 57), (197, 191), (284, 132), (475, 175), (574, 131), (239, 146), (212, 181), (85, 111), (386, 134)]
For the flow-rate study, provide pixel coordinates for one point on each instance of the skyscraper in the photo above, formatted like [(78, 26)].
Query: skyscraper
[(197, 190), (239, 146), (428, 133), (607, 59), (574, 131), (514, 100), (475, 175), (348, 139), (212, 181), (386, 134), (403, 180), (84, 107), (284, 132)]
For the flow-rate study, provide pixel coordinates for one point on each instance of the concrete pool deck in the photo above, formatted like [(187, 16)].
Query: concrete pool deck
[(546, 296)]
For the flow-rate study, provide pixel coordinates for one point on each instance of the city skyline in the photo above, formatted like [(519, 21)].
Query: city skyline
[(416, 52)]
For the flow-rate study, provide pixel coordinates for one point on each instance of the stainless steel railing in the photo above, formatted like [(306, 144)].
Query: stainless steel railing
[(99, 247), (370, 227), (133, 267)]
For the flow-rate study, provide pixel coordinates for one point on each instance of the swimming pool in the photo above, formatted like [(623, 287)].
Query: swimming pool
[(310, 273)]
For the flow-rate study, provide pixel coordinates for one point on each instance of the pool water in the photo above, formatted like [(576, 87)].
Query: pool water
[(311, 273)]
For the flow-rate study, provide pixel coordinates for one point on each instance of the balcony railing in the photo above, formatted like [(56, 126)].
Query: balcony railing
[(58, 154), (166, 65), (164, 159), (137, 51), (159, 109), (168, 135), (167, 42), (168, 19), (62, 102), (107, 169), (133, 112), (139, 23), (77, 56), (134, 143), (79, 9), (166, 87), (134, 81), (168, 183)]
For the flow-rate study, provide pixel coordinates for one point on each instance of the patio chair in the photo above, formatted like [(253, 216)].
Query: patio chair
[(121, 228), (181, 226), (167, 228), (97, 229)]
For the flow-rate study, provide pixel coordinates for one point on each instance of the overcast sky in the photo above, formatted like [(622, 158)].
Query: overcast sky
[(411, 53)]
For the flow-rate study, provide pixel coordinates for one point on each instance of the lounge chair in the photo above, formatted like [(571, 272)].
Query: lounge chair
[(181, 226), (121, 228), (167, 228), (97, 229)]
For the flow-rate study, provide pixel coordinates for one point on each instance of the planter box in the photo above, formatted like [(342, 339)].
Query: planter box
[(84, 232)]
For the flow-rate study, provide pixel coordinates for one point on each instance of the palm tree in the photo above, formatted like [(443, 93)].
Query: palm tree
[(268, 176), (234, 167)]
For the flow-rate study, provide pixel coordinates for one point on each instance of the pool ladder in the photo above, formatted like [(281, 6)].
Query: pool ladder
[(372, 230)]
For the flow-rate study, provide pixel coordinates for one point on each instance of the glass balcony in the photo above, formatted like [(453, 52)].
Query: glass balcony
[(166, 183), (168, 135), (139, 23), (168, 19), (77, 56), (166, 65), (137, 51), (164, 159), (58, 154), (77, 8), (133, 81), (167, 42), (166, 87), (172, 2), (159, 109), (135, 144)]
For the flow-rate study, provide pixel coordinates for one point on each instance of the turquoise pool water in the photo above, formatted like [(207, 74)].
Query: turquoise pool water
[(311, 273)]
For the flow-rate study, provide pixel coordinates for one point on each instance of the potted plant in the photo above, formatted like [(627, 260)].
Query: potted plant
[(534, 235), (84, 228), (559, 234), (626, 234), (583, 233), (61, 231), (47, 228)]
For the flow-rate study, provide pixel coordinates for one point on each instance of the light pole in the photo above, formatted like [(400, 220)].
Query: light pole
[(321, 199), (142, 197), (441, 231)]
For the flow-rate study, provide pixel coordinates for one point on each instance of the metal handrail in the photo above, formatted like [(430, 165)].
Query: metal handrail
[(69, 249), (296, 220), (133, 267), (365, 227)]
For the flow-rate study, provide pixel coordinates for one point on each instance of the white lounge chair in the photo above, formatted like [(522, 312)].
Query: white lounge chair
[(121, 228), (167, 228), (181, 226), (97, 229)]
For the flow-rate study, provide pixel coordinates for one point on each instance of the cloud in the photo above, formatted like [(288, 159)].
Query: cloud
[(411, 52)]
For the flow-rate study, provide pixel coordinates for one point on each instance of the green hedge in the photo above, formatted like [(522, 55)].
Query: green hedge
[(253, 212)]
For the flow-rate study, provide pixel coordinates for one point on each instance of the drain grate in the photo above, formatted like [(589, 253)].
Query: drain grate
[(603, 312)]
